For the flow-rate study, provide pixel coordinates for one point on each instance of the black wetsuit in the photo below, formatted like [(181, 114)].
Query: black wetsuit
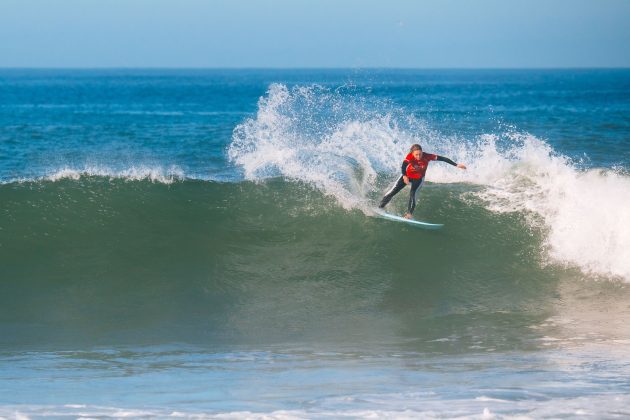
[(415, 185)]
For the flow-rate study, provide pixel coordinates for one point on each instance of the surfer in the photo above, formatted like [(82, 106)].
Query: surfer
[(413, 169)]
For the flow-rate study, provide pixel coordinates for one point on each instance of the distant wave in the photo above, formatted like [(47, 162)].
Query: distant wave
[(164, 175)]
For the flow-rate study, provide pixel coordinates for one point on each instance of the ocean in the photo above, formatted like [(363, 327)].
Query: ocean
[(203, 244)]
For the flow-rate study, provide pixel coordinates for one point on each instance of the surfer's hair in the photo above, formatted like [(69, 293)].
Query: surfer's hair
[(415, 147)]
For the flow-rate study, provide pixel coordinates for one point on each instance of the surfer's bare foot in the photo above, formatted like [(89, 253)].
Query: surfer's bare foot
[(407, 216)]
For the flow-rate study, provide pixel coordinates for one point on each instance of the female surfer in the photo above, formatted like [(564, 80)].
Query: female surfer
[(413, 169)]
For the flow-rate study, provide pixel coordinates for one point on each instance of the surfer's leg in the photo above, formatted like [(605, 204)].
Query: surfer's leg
[(400, 184), (415, 185)]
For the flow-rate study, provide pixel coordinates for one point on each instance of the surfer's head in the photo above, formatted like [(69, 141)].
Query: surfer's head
[(416, 151)]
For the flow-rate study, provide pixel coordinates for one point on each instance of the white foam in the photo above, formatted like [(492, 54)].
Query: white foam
[(585, 214), (402, 407), (332, 142), (159, 174)]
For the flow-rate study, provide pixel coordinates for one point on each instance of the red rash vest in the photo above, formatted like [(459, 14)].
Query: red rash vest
[(418, 167)]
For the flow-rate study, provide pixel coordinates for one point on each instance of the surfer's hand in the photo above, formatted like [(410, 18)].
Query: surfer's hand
[(406, 179), (461, 166)]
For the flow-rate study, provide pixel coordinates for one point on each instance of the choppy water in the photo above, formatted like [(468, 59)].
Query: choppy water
[(202, 243)]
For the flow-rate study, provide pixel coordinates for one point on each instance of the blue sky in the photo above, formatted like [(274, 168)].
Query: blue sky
[(322, 33)]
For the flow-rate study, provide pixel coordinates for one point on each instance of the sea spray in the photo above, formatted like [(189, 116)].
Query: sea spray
[(323, 138)]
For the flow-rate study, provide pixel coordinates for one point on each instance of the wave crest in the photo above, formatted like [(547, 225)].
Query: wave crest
[(350, 150)]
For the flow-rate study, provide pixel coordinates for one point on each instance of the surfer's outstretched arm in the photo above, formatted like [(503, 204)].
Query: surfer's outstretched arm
[(450, 162), (445, 159)]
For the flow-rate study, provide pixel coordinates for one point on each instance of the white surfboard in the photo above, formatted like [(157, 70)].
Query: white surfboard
[(416, 223)]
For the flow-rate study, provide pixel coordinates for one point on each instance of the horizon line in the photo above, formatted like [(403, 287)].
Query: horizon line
[(307, 68)]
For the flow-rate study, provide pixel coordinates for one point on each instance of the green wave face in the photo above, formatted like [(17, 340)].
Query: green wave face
[(108, 260)]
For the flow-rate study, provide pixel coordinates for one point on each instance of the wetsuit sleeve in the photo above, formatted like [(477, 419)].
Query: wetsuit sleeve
[(447, 160), (403, 168)]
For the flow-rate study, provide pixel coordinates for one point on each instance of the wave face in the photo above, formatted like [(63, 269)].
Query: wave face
[(201, 261), (230, 260), (329, 140)]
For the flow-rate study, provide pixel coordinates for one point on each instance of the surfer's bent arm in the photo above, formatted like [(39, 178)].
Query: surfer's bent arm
[(445, 159), (403, 168)]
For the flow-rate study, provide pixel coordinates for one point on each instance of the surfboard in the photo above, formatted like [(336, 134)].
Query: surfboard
[(416, 223)]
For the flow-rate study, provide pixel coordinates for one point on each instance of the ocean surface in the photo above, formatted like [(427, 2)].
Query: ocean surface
[(202, 243)]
